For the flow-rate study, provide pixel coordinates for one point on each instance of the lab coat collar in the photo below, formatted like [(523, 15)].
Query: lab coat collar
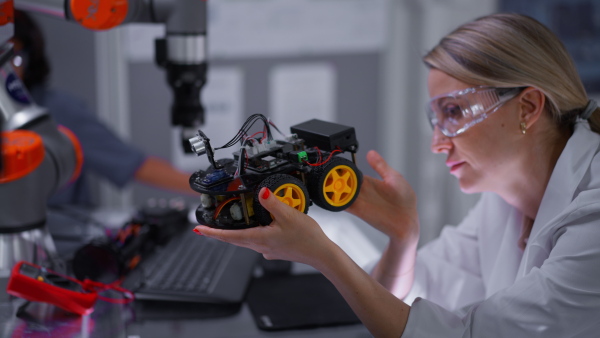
[(570, 168)]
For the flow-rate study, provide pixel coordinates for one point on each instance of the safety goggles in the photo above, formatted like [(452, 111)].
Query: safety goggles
[(455, 112)]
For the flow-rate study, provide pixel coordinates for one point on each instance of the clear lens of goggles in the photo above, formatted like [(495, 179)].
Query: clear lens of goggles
[(456, 112)]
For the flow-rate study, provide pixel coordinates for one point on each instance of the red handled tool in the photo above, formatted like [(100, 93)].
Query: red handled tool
[(38, 284)]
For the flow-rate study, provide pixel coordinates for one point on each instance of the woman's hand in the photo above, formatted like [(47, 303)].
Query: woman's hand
[(292, 235), (389, 204)]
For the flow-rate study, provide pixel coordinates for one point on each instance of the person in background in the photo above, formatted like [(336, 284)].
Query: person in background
[(105, 154), (512, 117)]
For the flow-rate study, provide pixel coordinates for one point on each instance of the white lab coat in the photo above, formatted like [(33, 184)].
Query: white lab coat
[(475, 281)]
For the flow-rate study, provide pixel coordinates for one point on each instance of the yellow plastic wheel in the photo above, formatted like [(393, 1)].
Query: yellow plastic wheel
[(292, 195), (288, 189), (340, 185), (335, 185)]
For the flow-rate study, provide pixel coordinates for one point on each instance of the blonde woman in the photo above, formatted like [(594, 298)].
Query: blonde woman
[(510, 114)]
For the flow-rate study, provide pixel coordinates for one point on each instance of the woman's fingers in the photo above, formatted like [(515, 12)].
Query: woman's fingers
[(377, 162), (385, 171), (232, 236), (260, 238), (279, 210)]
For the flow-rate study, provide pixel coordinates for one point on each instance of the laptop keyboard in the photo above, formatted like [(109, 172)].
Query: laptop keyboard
[(188, 263)]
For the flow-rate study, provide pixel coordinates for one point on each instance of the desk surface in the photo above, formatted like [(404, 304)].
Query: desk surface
[(131, 321), (114, 320)]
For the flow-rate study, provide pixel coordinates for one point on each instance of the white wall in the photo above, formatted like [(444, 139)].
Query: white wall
[(416, 26)]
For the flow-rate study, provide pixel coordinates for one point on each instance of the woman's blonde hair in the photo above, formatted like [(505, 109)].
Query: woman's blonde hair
[(513, 50)]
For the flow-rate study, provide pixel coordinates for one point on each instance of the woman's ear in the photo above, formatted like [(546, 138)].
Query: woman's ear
[(531, 102)]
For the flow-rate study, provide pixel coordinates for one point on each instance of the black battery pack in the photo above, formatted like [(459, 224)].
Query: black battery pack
[(326, 135)]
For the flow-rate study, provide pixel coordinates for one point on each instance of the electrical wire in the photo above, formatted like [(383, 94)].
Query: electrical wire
[(274, 126), (220, 206), (243, 132), (251, 140), (246, 162), (320, 163)]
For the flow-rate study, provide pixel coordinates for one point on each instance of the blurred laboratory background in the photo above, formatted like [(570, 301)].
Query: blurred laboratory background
[(355, 62)]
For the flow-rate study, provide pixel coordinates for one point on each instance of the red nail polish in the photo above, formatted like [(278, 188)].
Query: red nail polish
[(266, 193), (197, 231)]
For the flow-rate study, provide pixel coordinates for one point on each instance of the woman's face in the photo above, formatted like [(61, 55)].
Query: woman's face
[(483, 157)]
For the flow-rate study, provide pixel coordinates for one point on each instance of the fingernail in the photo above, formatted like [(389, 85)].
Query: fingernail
[(197, 231), (266, 193)]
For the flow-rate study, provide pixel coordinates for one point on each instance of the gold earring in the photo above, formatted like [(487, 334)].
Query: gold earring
[(523, 128)]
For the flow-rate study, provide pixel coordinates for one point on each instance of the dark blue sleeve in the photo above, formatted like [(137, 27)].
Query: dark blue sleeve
[(105, 154)]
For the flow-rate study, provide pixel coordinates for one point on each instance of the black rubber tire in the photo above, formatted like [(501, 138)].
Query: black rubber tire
[(274, 182), (316, 180)]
